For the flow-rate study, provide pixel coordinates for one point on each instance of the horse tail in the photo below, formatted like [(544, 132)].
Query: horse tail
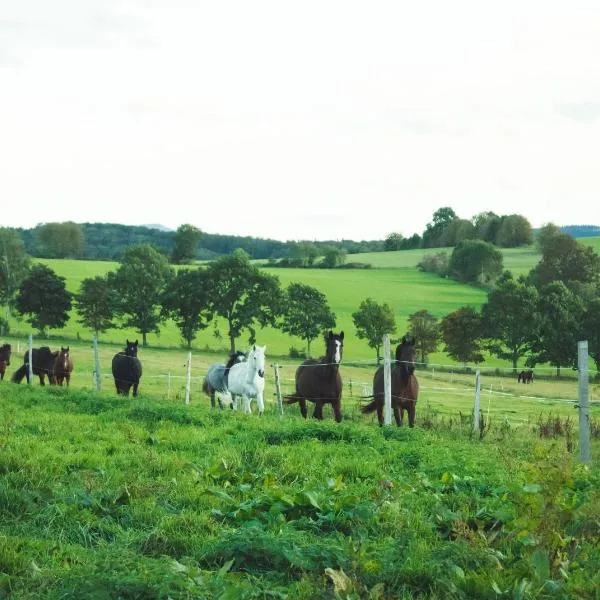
[(291, 399), (369, 407), (19, 374), (206, 387)]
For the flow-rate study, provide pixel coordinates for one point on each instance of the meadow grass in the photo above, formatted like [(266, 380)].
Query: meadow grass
[(106, 497)]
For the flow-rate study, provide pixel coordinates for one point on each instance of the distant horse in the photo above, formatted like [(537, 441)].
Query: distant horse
[(5, 351), (247, 379), (127, 369), (215, 382), (42, 365), (525, 377), (405, 387), (320, 381), (63, 366)]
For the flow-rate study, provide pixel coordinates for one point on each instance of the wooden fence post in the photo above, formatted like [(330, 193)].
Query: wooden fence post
[(584, 409), (476, 406), (97, 374), (188, 378), (387, 381), (278, 390), (30, 366)]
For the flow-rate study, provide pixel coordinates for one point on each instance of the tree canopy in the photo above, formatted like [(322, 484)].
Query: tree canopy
[(185, 244), (372, 322), (462, 333), (96, 304)]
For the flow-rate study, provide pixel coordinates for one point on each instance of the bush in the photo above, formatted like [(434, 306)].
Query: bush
[(435, 263), (295, 353)]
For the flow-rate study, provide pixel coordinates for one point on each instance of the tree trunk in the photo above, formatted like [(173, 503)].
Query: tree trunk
[(144, 339), (307, 348), (377, 348), (231, 343), (557, 371)]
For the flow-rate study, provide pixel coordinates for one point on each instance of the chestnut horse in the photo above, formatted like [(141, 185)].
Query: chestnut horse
[(5, 351), (63, 366), (405, 387), (319, 380)]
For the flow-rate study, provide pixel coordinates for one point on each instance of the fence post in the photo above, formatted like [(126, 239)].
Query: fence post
[(584, 409), (476, 407), (387, 381), (278, 390), (188, 378), (97, 375), (30, 365), (169, 385)]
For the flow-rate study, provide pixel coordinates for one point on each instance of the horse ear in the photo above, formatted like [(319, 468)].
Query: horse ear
[(330, 334), (253, 346), (341, 335), (136, 343), (127, 342)]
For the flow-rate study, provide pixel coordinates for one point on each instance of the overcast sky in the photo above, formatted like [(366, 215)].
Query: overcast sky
[(317, 119)]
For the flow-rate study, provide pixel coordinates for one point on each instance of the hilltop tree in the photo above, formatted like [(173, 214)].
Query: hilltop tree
[(475, 260), (185, 244), (425, 328), (60, 240), (333, 257), (486, 226), (394, 241), (139, 282), (434, 231), (514, 231), (306, 313), (243, 295), (462, 334), (545, 235), (43, 296), (510, 318), (14, 266), (457, 231), (96, 304), (372, 322), (304, 254), (187, 300)]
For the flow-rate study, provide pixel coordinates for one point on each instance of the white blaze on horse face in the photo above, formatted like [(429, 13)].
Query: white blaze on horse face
[(337, 357)]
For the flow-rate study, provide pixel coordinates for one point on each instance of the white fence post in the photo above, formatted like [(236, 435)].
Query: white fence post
[(188, 378), (584, 409), (476, 406), (387, 381), (278, 390), (97, 374), (30, 366)]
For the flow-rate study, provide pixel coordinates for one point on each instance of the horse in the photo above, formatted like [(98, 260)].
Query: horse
[(5, 351), (63, 366), (127, 369), (525, 377), (247, 379), (320, 381), (405, 387), (215, 381), (42, 365)]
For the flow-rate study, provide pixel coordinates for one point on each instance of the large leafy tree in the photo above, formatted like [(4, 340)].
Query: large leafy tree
[(510, 318), (372, 322), (425, 327), (393, 241), (14, 266), (185, 244), (434, 231), (97, 302), (304, 254), (60, 240), (306, 313), (243, 295), (475, 260), (43, 297), (591, 330), (561, 317), (486, 226), (514, 231), (187, 301), (462, 333), (139, 283)]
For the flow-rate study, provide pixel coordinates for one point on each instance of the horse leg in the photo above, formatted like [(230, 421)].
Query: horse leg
[(303, 409), (380, 413), (135, 388), (398, 414), (260, 402), (212, 399), (337, 412), (318, 413), (246, 404), (411, 409), (68, 379)]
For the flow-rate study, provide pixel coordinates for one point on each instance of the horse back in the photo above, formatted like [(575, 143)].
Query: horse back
[(316, 381), (402, 390), (126, 367)]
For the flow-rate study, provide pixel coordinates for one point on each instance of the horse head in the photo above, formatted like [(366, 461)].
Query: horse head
[(335, 347), (5, 352), (131, 348), (405, 355), (256, 358)]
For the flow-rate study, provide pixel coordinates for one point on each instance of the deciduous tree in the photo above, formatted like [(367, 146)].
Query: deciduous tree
[(185, 244), (14, 266), (60, 240), (425, 327), (97, 303), (372, 322), (462, 333), (475, 260)]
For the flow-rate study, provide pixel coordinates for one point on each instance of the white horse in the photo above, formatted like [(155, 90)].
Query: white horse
[(247, 379)]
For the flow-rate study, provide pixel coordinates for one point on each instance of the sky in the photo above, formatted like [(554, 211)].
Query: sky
[(320, 119)]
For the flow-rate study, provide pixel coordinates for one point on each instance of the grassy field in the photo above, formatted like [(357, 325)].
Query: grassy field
[(103, 497)]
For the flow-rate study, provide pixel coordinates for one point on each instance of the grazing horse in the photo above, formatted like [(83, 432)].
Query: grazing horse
[(320, 381), (127, 369), (405, 387), (215, 381), (525, 377), (247, 379), (63, 366), (42, 365), (5, 351)]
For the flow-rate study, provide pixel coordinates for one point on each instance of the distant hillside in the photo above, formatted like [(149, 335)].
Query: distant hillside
[(157, 226), (579, 231)]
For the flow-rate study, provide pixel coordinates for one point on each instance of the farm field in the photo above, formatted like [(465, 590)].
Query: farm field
[(106, 497)]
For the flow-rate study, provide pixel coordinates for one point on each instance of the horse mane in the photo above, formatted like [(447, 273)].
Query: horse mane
[(234, 358)]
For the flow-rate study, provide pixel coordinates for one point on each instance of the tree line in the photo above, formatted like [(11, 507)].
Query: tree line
[(539, 317)]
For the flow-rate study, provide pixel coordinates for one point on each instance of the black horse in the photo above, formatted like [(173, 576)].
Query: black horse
[(404, 385), (5, 351), (525, 377), (127, 369), (42, 365), (320, 381)]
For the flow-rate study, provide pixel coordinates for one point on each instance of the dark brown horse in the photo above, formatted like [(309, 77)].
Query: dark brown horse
[(405, 387), (63, 366), (42, 365), (5, 351), (127, 369), (320, 381), (525, 377)]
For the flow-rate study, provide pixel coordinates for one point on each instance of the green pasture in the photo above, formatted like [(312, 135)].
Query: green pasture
[(106, 497)]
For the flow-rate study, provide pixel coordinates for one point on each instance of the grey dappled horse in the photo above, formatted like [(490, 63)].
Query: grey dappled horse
[(215, 381)]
